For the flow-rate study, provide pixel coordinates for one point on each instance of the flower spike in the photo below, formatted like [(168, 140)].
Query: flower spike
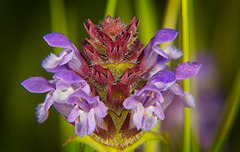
[(118, 89)]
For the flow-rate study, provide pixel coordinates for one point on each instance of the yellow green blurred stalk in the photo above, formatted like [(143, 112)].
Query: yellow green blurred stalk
[(186, 84)]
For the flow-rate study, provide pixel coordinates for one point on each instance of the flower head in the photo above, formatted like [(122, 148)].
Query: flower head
[(94, 92)]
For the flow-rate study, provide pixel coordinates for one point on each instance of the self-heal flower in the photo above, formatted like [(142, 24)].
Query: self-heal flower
[(153, 52), (118, 89), (69, 58), (41, 85), (87, 113), (145, 106), (165, 81), (64, 83)]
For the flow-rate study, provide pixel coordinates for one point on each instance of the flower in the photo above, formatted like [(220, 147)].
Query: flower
[(154, 53), (145, 106), (87, 112), (117, 88), (69, 58)]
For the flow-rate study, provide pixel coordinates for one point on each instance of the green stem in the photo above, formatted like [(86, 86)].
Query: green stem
[(59, 24), (111, 8), (230, 113), (186, 86)]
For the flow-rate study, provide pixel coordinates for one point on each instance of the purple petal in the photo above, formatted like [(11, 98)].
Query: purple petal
[(163, 79), (81, 126), (37, 85), (186, 70), (150, 59), (63, 108), (56, 69), (81, 94), (48, 101), (149, 121), (138, 116), (68, 76), (53, 63), (168, 98), (66, 58), (91, 123), (165, 76), (76, 62), (176, 89), (164, 35), (101, 110), (158, 50), (157, 67), (152, 88), (130, 102), (85, 87), (148, 88), (62, 85), (159, 112), (100, 122), (58, 40), (74, 114), (42, 114)]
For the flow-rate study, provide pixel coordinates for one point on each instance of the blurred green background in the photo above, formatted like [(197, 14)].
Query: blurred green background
[(23, 23)]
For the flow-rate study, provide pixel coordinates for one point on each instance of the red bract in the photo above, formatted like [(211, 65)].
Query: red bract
[(113, 52)]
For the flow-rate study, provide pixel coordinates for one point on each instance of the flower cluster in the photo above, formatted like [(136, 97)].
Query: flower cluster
[(118, 88)]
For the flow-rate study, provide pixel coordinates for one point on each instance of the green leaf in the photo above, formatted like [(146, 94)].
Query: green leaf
[(91, 142), (148, 136)]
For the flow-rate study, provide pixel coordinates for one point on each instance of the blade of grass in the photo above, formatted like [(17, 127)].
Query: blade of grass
[(170, 17), (186, 84), (59, 24), (111, 8), (230, 112), (148, 20)]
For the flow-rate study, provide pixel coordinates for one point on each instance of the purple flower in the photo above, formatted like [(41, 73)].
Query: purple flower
[(153, 52), (87, 113), (145, 107), (165, 81), (69, 58), (64, 84), (41, 85)]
